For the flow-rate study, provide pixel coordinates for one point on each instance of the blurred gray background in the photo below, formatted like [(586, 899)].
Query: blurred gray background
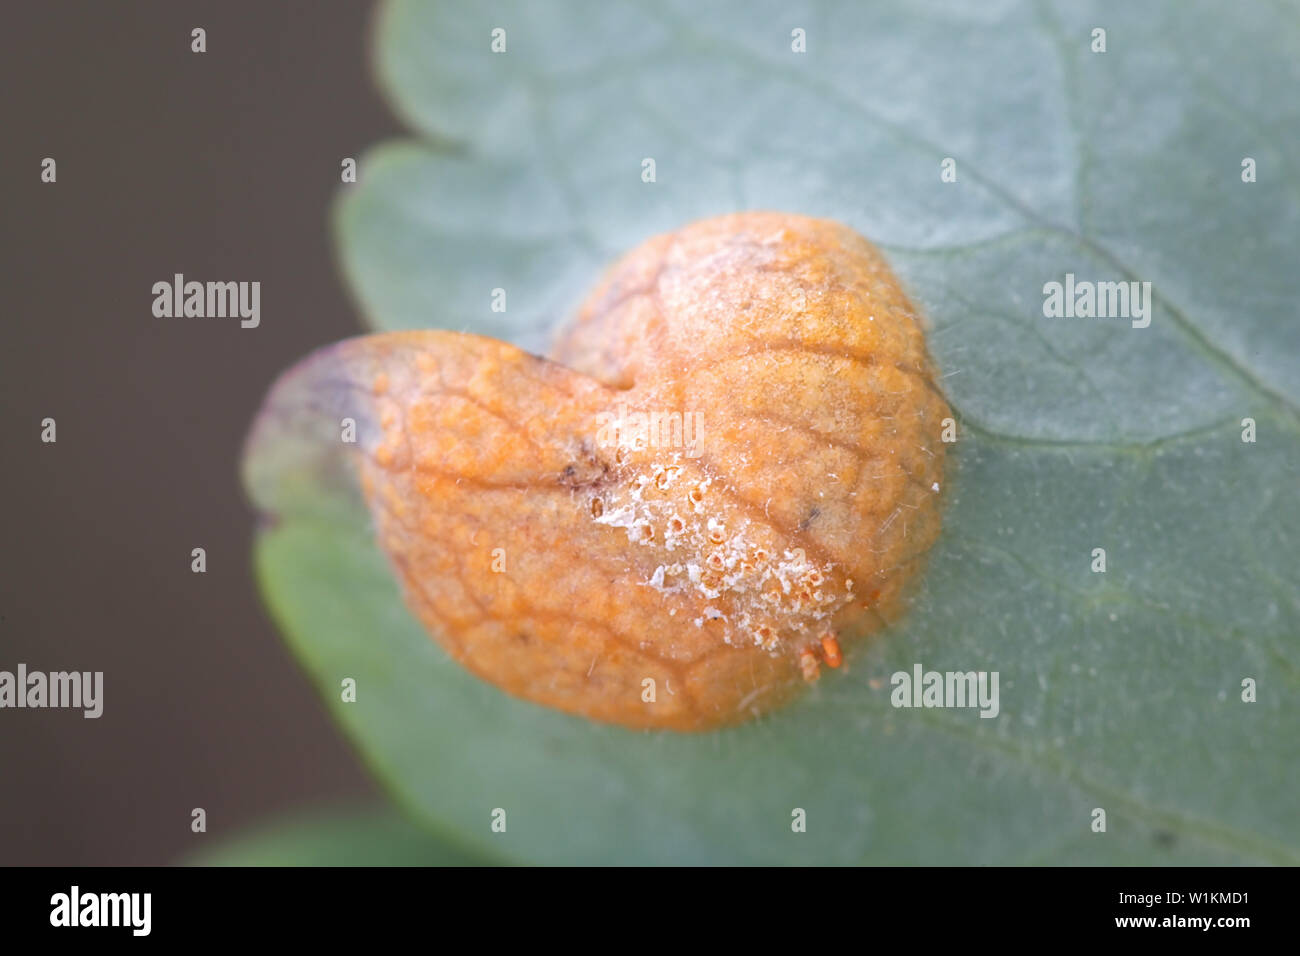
[(220, 166)]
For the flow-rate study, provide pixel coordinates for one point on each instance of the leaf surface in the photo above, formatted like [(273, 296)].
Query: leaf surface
[(1120, 690)]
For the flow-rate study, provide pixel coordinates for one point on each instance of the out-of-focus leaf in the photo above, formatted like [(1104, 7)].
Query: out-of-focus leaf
[(356, 838)]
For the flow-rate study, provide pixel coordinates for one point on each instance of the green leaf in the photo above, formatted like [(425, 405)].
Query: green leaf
[(351, 838), (1120, 690)]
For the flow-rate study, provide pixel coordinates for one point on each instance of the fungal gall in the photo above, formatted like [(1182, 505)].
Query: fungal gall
[(727, 559)]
